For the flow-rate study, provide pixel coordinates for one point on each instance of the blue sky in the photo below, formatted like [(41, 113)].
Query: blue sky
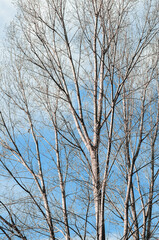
[(7, 11)]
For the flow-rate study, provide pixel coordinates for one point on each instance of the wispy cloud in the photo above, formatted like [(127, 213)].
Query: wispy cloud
[(7, 11)]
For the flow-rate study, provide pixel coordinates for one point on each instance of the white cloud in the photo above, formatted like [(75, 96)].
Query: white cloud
[(7, 12)]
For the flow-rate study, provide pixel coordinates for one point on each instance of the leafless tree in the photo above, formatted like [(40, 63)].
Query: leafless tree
[(80, 125)]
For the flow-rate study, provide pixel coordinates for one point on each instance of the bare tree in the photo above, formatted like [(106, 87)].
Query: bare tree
[(81, 90)]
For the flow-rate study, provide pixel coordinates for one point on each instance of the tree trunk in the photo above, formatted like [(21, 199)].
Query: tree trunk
[(99, 206)]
